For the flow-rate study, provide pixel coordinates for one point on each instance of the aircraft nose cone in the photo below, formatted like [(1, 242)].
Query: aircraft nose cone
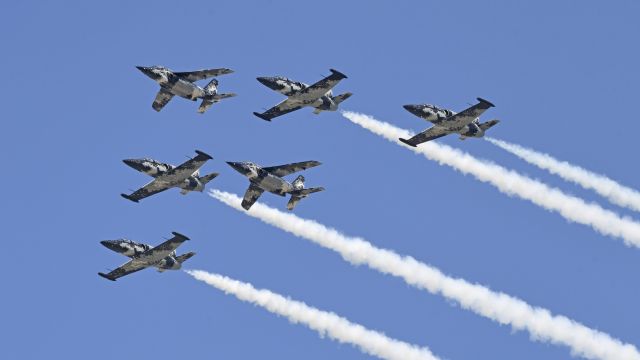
[(408, 107), (269, 82), (145, 70), (239, 167), (110, 244), (134, 163)]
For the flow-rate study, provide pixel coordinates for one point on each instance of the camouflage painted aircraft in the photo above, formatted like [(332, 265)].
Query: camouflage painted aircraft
[(183, 84), (299, 95), (162, 257), (465, 123), (270, 179), (185, 176)]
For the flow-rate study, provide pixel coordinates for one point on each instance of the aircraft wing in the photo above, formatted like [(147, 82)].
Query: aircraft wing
[(431, 133), (162, 98), (163, 250), (285, 107), (202, 74), (320, 88), (467, 116), (284, 170), (155, 186), (126, 269), (251, 196), (186, 169)]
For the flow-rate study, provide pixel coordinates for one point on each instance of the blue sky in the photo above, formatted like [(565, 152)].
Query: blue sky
[(564, 79)]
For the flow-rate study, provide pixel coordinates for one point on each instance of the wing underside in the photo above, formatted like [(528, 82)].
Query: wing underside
[(162, 98), (284, 170), (284, 107), (427, 135), (202, 74), (320, 88), (187, 168), (152, 188), (467, 116), (251, 196), (126, 269)]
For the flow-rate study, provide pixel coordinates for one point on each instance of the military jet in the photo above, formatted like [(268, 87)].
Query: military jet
[(299, 95), (183, 84), (186, 176), (162, 257), (465, 123), (270, 179)]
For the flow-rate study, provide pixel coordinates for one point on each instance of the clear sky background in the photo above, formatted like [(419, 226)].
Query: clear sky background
[(563, 75)]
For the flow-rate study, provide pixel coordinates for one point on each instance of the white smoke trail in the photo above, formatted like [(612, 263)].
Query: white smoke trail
[(326, 323), (606, 187), (512, 183), (499, 307)]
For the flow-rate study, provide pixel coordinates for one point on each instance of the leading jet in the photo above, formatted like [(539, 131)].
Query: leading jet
[(186, 176), (270, 179), (464, 123), (162, 257), (299, 95), (183, 84)]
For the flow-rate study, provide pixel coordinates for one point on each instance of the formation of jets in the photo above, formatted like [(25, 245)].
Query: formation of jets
[(187, 178)]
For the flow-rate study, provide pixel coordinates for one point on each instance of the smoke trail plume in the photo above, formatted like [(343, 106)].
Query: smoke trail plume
[(512, 183), (604, 186), (499, 307), (326, 323)]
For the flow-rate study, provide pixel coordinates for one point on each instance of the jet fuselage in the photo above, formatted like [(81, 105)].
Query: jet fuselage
[(155, 168), (133, 250), (438, 116), (265, 180), (173, 83)]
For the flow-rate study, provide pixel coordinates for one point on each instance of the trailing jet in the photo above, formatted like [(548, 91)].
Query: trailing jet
[(185, 176), (162, 257), (183, 84), (270, 179), (465, 123), (299, 95)]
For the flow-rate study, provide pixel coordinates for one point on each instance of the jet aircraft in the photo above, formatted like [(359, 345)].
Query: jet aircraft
[(270, 179), (185, 176), (162, 257), (465, 123), (299, 95), (183, 84)]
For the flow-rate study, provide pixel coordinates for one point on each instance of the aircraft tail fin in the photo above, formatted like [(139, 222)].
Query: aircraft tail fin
[(184, 257), (488, 124), (342, 97), (298, 195), (212, 87)]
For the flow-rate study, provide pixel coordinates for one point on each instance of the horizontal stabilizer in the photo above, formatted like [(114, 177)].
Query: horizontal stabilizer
[(205, 179), (106, 276), (184, 257), (342, 97), (488, 124)]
